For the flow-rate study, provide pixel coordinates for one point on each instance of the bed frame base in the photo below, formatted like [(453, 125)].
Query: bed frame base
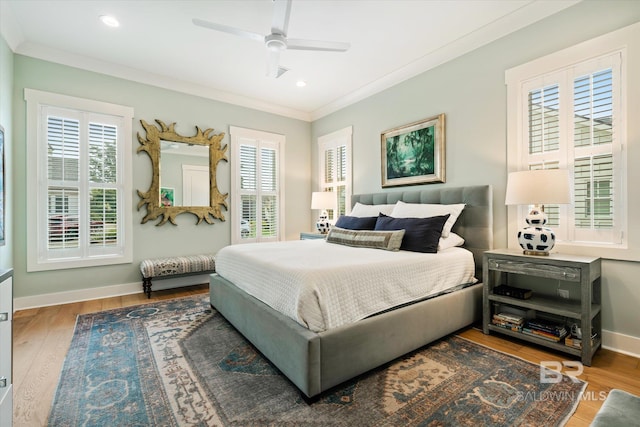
[(316, 362)]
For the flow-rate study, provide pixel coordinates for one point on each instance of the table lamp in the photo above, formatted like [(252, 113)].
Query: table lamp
[(537, 188), (323, 200)]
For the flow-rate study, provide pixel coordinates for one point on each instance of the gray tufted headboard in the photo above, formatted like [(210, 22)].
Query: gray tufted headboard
[(475, 224)]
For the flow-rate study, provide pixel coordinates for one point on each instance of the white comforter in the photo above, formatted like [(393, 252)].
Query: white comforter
[(323, 285)]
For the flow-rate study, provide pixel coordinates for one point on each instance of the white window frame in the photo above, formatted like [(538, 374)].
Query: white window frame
[(239, 136), (332, 141), (38, 256), (628, 245)]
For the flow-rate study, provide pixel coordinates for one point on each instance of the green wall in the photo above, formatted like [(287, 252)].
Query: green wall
[(149, 103), (471, 91)]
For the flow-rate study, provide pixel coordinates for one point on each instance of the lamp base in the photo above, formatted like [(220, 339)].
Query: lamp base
[(535, 253), (323, 225), (536, 240)]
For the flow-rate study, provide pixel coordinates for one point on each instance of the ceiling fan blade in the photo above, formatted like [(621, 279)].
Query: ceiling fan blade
[(281, 13), (230, 30), (299, 44)]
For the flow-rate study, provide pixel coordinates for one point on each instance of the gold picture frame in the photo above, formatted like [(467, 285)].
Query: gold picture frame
[(414, 154)]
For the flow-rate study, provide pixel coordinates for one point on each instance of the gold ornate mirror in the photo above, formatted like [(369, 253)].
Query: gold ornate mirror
[(179, 188)]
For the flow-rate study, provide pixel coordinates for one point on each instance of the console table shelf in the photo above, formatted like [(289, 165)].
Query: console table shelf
[(577, 271), (551, 305)]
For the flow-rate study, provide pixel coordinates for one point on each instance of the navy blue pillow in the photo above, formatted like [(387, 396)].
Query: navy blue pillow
[(356, 223), (421, 234)]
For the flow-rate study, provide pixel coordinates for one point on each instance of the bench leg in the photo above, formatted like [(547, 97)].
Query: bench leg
[(146, 286)]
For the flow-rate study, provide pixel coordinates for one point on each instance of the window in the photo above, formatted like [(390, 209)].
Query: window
[(567, 111), (256, 174), (335, 169), (79, 213)]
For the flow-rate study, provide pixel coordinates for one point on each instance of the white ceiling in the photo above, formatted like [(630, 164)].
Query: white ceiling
[(156, 43)]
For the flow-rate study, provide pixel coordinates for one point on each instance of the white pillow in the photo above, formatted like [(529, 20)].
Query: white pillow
[(362, 211), (426, 210), (450, 241)]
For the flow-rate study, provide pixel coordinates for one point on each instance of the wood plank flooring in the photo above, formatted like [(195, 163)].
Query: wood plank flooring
[(42, 337)]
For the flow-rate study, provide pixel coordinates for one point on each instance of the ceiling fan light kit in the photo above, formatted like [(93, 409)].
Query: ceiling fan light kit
[(277, 41)]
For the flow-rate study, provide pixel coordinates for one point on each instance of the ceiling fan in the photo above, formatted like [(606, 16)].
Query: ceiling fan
[(277, 41)]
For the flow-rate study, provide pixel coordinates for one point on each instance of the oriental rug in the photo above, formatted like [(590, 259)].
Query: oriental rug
[(180, 363)]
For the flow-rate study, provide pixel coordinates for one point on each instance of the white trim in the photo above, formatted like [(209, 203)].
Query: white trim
[(67, 297), (35, 100), (621, 343)]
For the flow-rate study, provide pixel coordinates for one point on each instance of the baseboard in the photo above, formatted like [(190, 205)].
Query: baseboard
[(621, 343), (66, 297)]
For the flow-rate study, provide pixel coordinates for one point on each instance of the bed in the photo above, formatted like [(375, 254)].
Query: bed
[(317, 360)]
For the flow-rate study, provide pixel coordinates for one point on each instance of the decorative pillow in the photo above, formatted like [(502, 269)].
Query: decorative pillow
[(387, 240), (421, 234), (425, 210), (449, 242), (361, 210), (356, 222)]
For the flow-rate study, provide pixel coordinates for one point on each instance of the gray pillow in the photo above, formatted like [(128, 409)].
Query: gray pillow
[(387, 240)]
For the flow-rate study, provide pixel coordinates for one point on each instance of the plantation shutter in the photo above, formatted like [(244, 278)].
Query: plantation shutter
[(269, 192), (84, 188), (257, 185), (594, 147), (570, 117), (63, 186), (335, 176), (248, 188), (103, 193)]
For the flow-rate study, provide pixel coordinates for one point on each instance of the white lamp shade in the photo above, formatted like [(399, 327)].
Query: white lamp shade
[(538, 187), (323, 200)]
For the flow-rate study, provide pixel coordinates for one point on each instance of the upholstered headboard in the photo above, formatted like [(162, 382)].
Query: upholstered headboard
[(475, 224)]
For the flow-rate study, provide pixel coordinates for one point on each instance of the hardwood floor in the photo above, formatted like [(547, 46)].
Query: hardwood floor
[(42, 337)]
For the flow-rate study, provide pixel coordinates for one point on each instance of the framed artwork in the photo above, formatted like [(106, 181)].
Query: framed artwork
[(166, 196), (414, 154), (2, 189)]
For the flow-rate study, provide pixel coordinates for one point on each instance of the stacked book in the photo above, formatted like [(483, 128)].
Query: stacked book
[(511, 291), (545, 329), (508, 321), (572, 341)]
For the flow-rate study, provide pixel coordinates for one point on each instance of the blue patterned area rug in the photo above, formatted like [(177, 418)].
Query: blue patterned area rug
[(179, 363)]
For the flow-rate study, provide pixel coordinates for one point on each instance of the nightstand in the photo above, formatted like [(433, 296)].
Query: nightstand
[(308, 236), (579, 273)]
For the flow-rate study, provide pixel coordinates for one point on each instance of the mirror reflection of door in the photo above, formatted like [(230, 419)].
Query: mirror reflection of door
[(195, 185), (185, 168)]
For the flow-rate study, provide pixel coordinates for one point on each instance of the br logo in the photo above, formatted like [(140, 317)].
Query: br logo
[(551, 371)]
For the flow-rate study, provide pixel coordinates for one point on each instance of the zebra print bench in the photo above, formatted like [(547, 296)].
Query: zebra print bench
[(175, 266)]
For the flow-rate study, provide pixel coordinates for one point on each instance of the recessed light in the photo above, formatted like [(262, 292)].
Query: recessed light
[(109, 21), (301, 83)]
